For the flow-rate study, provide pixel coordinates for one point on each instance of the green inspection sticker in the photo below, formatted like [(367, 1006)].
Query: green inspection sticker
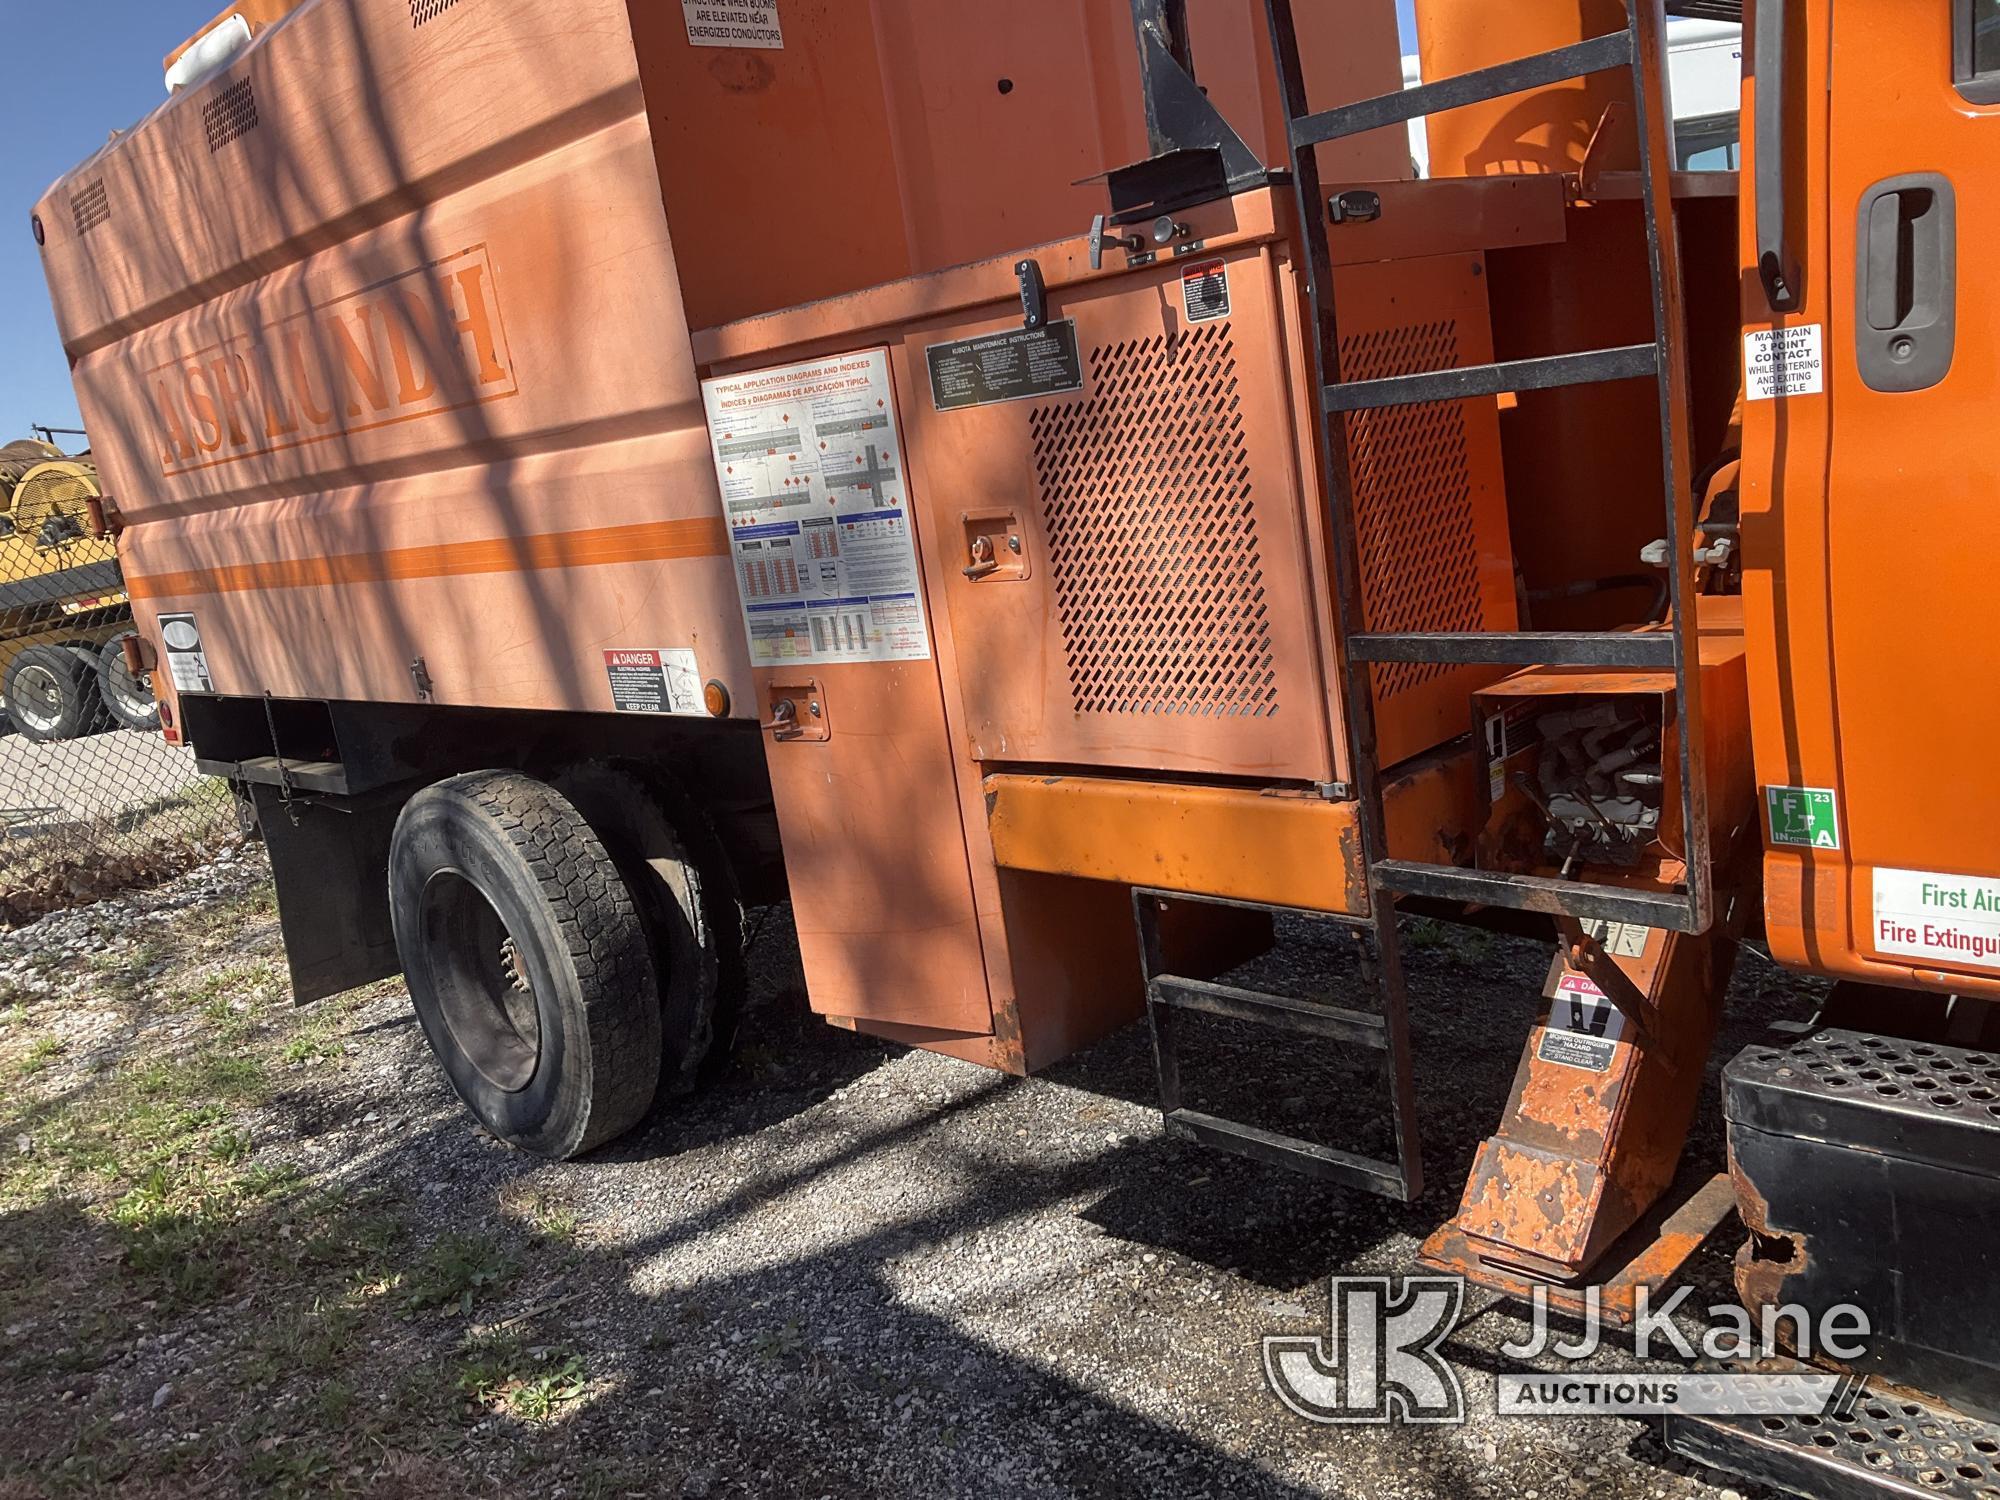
[(1802, 817)]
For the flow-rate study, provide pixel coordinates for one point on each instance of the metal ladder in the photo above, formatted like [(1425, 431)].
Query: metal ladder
[(1172, 997), (1640, 47)]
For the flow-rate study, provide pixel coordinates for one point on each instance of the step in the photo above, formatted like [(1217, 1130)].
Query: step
[(1879, 1444), (1575, 898), (1335, 1022), (1463, 382), (1610, 650), (1324, 1162)]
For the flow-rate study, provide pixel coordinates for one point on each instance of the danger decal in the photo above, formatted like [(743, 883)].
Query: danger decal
[(654, 680), (1205, 291)]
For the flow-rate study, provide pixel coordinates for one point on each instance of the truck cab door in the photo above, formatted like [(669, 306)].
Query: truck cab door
[(1870, 422)]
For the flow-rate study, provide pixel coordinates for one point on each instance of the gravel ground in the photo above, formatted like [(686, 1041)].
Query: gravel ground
[(850, 1269)]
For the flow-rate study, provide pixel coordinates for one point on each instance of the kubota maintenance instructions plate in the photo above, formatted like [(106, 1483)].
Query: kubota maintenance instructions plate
[(810, 460)]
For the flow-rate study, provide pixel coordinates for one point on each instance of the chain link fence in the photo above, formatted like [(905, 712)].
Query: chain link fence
[(92, 798)]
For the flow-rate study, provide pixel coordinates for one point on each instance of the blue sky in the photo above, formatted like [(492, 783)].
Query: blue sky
[(78, 69)]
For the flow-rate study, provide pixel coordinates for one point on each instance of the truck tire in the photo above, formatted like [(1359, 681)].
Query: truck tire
[(527, 961), (51, 693), (127, 698), (687, 906)]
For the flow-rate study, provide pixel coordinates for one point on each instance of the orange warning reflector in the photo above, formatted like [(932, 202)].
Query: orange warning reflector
[(715, 697)]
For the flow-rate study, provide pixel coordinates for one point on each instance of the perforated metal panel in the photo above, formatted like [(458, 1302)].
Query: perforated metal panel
[(230, 114), (1875, 1443), (1154, 552), (1414, 522), (91, 206), (1907, 1080)]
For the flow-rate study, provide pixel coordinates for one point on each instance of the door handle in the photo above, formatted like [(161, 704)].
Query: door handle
[(1775, 266), (1906, 281)]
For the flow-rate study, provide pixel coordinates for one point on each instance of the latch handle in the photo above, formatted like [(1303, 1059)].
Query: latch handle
[(984, 560), (1103, 237)]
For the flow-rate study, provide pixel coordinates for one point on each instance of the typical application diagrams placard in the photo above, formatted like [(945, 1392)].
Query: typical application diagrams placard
[(810, 460)]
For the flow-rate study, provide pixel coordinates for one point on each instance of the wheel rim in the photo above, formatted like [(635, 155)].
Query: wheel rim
[(38, 696), (484, 990)]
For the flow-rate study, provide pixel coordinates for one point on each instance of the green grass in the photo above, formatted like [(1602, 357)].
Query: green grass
[(318, 1339), (313, 1042), (41, 1052), (454, 1273), (124, 974), (148, 1198), (777, 1343), (185, 1228), (532, 1384), (549, 1216)]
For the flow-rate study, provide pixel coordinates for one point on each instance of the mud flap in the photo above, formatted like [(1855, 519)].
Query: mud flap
[(330, 861)]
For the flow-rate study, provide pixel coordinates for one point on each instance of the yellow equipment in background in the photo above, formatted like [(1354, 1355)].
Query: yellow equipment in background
[(64, 614)]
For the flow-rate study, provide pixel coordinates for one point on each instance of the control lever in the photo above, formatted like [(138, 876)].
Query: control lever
[(1660, 555), (1103, 237)]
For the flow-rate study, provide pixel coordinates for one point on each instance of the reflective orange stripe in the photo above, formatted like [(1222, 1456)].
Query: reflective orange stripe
[(654, 541)]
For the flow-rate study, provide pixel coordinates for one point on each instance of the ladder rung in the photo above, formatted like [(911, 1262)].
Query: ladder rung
[(1609, 649), (1536, 893), (1592, 366), (1333, 1021), (1599, 53), (1326, 1162)]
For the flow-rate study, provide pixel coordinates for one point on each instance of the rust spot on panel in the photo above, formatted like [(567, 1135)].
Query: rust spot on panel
[(742, 73), (1354, 868), (1539, 1205), (1010, 1051), (1768, 1257), (1648, 1256), (1567, 1100)]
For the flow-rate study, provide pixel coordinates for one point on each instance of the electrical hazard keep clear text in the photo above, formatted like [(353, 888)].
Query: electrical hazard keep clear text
[(733, 25)]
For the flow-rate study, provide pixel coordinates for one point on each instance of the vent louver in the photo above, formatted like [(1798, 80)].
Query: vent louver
[(1154, 554), (90, 206), (428, 10), (230, 114), (1413, 515)]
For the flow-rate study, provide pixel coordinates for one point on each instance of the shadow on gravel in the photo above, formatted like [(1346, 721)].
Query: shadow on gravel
[(1473, 998), (825, 1294)]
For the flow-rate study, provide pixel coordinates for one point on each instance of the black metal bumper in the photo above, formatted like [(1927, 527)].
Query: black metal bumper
[(1868, 1171)]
